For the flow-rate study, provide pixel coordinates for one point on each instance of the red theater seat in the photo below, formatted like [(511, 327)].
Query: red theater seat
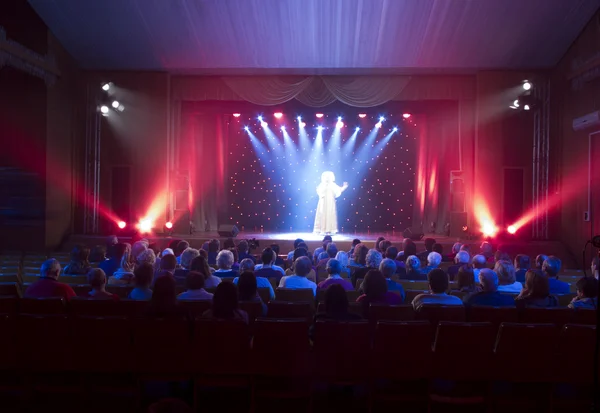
[(284, 309), (381, 312), (557, 316), (49, 305), (495, 315)]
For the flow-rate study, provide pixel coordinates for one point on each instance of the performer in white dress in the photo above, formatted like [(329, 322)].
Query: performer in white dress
[(326, 216)]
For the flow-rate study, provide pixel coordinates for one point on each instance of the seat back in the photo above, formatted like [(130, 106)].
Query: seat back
[(411, 294), (437, 313), (254, 310), (74, 279), (274, 340), (8, 304), (47, 305), (412, 340), (300, 295), (285, 309), (265, 294), (81, 306), (564, 299), (352, 295), (382, 312), (229, 344), (9, 278), (196, 307), (81, 290), (43, 342), (337, 346), (10, 288), (584, 316), (353, 308), (495, 315), (535, 343), (121, 291), (558, 316), (576, 347), (414, 285), (8, 344)]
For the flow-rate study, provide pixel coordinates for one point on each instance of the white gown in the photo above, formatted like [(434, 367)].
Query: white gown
[(326, 216)]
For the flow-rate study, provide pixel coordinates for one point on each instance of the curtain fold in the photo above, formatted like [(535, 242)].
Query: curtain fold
[(362, 91), (268, 90)]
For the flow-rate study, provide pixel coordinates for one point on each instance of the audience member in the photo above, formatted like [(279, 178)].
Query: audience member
[(344, 259), (438, 287), (375, 291), (506, 278), (500, 255), (110, 241), (336, 308), (326, 240), (236, 260), (228, 243), (163, 303), (536, 292), (267, 269), (461, 258), (539, 261), (225, 304), (383, 246), (168, 263), (297, 242), (359, 259), (355, 242), (479, 262), (392, 253), (186, 258), (278, 260), (487, 250), (302, 267), (48, 285), (439, 248), (97, 279), (413, 269), (79, 264), (225, 260), (172, 245), (143, 275), (587, 294), (124, 275), (200, 264), (213, 250), (429, 243), (465, 280), (243, 254), (195, 288), (334, 269), (377, 242), (112, 264), (388, 269), (551, 267), (489, 295), (455, 250), (302, 252), (522, 265), (248, 290), (330, 253), (433, 261), (409, 248), (147, 256), (138, 247), (261, 282), (98, 254), (372, 261)]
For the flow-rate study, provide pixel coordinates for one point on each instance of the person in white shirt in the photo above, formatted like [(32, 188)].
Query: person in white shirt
[(195, 288), (302, 267), (438, 286), (261, 282), (267, 264), (479, 263), (507, 278)]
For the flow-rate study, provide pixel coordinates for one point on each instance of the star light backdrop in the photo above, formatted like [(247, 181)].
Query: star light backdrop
[(277, 161)]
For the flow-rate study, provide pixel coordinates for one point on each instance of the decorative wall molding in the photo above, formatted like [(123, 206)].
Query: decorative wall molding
[(20, 57)]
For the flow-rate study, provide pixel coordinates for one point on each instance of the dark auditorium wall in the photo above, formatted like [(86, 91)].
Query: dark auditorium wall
[(569, 166)]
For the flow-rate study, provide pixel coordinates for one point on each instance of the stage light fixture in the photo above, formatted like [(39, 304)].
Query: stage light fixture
[(516, 103), (299, 118), (106, 86), (247, 129), (511, 229), (378, 125), (264, 124), (381, 119), (527, 85), (237, 115), (116, 104), (259, 118), (357, 128), (169, 225), (395, 129), (319, 115), (168, 229), (319, 128), (278, 115), (339, 124), (465, 228), (302, 124), (283, 128), (145, 225), (121, 224), (362, 115), (489, 229), (104, 110), (526, 107), (406, 115)]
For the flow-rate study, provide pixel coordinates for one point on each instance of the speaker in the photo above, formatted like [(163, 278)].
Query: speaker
[(229, 231), (413, 233), (458, 220)]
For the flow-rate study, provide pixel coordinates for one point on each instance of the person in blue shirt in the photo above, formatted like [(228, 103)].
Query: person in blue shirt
[(243, 254), (143, 278), (388, 269), (113, 263), (489, 296), (522, 264), (551, 268), (213, 249)]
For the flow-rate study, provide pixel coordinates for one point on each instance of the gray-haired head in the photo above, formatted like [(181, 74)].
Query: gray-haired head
[(302, 266), (334, 266), (50, 268), (374, 258), (246, 265), (462, 257), (456, 247), (539, 260), (225, 259), (551, 266), (147, 256), (434, 259), (96, 278), (488, 280), (479, 261), (387, 267), (187, 256), (342, 257), (413, 262)]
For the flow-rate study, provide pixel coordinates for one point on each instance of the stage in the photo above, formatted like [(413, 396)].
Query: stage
[(285, 240)]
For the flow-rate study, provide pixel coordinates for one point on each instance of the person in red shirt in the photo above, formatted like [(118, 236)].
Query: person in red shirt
[(48, 285)]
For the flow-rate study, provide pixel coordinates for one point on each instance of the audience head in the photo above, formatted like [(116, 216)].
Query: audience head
[(355, 242), (111, 240), (466, 247), (173, 244), (439, 248), (486, 248), (501, 256), (168, 263), (551, 267), (360, 254), (268, 256), (200, 264), (410, 248), (300, 252), (97, 278), (479, 261), (228, 244), (246, 265), (214, 245), (275, 248), (297, 242), (164, 292), (387, 267), (539, 261), (331, 250), (138, 247), (342, 257), (536, 285), (116, 251), (587, 287), (413, 263), (242, 247), (236, 257), (247, 286), (50, 269), (225, 300), (462, 257), (302, 266), (126, 264), (373, 258), (194, 280), (438, 281), (488, 280), (154, 247), (456, 247), (143, 275), (434, 259), (203, 253), (391, 252), (377, 242), (98, 253), (429, 243), (225, 259), (334, 267), (336, 300), (146, 257), (374, 284), (167, 251), (522, 262), (327, 238), (506, 272), (384, 245), (323, 256), (465, 277), (80, 253), (187, 256)]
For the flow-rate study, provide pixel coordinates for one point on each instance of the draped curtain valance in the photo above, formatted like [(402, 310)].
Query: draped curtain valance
[(319, 91)]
